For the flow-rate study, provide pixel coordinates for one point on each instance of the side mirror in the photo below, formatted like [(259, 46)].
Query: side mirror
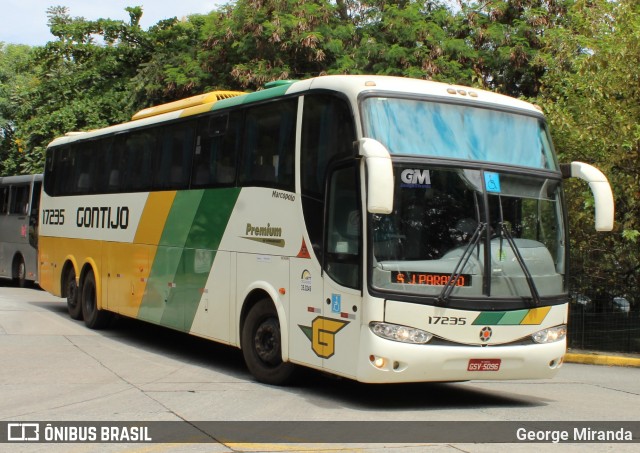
[(601, 189), (379, 176)]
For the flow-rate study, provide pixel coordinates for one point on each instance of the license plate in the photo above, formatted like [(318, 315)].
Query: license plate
[(483, 365)]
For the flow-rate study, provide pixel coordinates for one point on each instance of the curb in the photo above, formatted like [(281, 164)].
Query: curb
[(597, 359)]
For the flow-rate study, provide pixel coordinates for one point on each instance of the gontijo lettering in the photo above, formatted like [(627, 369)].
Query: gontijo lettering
[(103, 217)]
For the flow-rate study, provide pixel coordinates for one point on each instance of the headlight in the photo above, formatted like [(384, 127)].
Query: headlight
[(403, 334), (550, 335)]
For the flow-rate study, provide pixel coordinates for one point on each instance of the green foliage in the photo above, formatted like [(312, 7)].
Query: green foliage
[(509, 38), (591, 94), (421, 39), (14, 77), (255, 42), (76, 83)]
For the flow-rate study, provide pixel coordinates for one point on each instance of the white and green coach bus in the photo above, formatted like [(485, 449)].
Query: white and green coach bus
[(19, 204), (377, 228)]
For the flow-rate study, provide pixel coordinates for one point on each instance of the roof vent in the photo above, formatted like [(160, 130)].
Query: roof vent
[(201, 99)]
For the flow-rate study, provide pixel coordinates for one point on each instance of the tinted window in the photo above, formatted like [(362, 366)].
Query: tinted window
[(342, 256), (175, 155), (19, 200), (89, 174), (327, 130), (268, 146), (216, 149), (4, 199), (139, 150)]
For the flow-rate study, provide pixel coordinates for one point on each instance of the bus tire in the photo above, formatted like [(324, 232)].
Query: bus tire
[(74, 307), (93, 317), (261, 345), (19, 272)]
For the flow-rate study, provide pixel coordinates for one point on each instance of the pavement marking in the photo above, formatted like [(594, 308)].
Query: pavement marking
[(599, 359)]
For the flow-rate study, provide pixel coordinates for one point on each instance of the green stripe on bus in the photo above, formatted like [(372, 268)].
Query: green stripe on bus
[(501, 318), (211, 218), (192, 234), (490, 318), (513, 318), (180, 219), (204, 239), (253, 97)]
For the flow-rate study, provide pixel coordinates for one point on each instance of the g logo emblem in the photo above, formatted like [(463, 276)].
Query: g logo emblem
[(322, 334)]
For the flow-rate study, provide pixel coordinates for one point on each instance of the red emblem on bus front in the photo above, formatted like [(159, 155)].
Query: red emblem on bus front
[(485, 334)]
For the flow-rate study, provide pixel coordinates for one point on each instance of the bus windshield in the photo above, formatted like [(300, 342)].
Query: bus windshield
[(419, 127), (503, 232)]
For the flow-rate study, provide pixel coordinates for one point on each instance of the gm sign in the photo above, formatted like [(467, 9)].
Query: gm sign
[(415, 178)]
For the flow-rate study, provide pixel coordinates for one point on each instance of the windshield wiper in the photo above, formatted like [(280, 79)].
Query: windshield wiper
[(532, 286), (462, 262)]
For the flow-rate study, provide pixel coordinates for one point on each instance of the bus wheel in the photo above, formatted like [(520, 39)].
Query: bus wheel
[(261, 345), (73, 304), (19, 272), (93, 317)]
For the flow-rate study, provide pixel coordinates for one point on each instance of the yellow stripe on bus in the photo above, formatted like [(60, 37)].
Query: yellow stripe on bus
[(536, 316), (154, 216)]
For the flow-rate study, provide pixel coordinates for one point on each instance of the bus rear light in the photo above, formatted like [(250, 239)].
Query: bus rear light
[(399, 333), (550, 335)]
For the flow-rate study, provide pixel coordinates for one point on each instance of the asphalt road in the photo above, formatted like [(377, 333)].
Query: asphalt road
[(55, 369)]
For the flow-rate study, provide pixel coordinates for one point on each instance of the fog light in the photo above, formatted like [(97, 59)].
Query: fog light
[(378, 362)]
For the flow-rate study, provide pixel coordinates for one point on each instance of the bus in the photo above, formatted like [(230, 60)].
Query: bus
[(376, 228), (20, 198)]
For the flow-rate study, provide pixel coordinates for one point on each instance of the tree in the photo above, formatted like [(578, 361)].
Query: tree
[(420, 39), (256, 41), (77, 84), (172, 70), (591, 93), (509, 38), (15, 76)]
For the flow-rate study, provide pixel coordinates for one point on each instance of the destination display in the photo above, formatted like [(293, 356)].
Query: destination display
[(428, 278)]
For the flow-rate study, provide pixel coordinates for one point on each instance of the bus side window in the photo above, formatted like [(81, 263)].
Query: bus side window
[(89, 167), (117, 165), (269, 145), (49, 185), (19, 200), (173, 162), (214, 161), (63, 163), (4, 193), (139, 149)]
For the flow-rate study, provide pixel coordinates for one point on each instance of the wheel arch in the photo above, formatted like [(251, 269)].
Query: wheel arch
[(68, 266), (17, 256), (91, 266), (252, 297)]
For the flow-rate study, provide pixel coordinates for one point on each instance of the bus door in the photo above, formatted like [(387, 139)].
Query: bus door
[(4, 226), (34, 213), (338, 334), (14, 225)]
